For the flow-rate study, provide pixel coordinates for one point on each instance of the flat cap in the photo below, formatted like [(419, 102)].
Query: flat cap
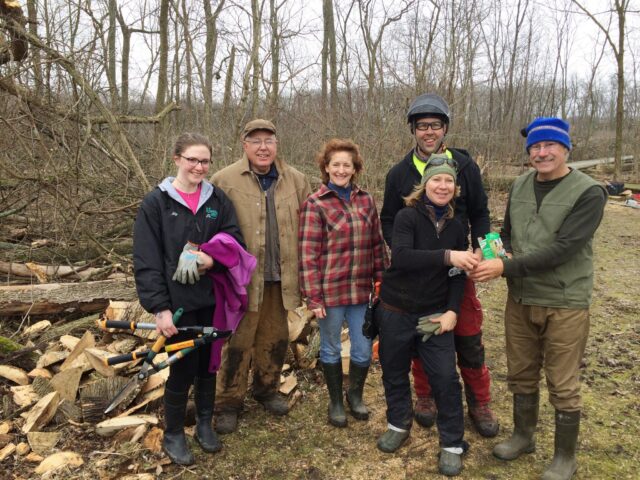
[(257, 124)]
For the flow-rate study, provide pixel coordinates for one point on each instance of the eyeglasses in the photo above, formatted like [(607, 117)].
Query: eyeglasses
[(537, 148), (195, 161), (254, 142), (441, 159), (424, 126)]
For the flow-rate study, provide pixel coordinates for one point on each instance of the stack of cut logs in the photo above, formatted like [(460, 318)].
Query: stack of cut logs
[(71, 384)]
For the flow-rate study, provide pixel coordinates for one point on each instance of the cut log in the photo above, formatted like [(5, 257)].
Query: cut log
[(42, 386), (69, 341), (68, 411), (42, 272), (96, 397), (51, 357), (23, 396), (8, 449), (5, 439), (87, 341), (5, 427), (53, 298), (146, 399), (40, 372), (298, 319), (97, 358), (66, 383), (43, 443), (41, 413), (112, 425), (22, 449), (59, 460), (37, 328), (15, 374), (33, 457), (290, 382), (139, 433)]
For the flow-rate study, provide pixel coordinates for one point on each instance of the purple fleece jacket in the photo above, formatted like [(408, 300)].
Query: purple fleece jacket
[(229, 287)]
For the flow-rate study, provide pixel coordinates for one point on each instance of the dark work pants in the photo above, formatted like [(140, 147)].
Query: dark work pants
[(196, 363), (399, 342)]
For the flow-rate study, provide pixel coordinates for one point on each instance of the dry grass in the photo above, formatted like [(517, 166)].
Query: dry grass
[(303, 446)]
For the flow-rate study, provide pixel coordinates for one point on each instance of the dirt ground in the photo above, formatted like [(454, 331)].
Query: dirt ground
[(303, 446)]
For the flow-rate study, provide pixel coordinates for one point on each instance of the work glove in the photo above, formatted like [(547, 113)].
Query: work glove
[(187, 271), (426, 327)]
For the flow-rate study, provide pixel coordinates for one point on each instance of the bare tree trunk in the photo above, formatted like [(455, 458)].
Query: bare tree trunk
[(256, 21), (161, 91), (211, 45), (274, 92), (111, 54), (36, 60)]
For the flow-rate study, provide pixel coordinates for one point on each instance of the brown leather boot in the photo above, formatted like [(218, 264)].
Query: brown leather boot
[(425, 411)]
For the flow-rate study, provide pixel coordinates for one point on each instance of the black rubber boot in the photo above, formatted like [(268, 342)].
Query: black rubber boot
[(204, 395), (525, 419), (333, 378), (174, 442), (357, 377), (564, 465)]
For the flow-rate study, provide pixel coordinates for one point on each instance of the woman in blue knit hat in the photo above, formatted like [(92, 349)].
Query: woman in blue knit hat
[(420, 301)]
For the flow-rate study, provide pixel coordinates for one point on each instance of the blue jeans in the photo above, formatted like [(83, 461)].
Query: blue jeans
[(330, 328)]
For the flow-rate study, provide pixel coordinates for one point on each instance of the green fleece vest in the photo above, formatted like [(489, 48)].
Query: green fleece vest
[(570, 284)]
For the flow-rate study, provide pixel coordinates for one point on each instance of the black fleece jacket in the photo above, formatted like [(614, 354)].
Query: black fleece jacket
[(163, 225), (471, 204), (418, 280)]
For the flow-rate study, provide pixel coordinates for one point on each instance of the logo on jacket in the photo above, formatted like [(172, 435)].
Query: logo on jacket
[(212, 213), (174, 214)]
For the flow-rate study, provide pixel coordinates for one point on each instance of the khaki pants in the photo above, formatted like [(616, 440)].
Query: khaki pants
[(260, 343), (553, 338)]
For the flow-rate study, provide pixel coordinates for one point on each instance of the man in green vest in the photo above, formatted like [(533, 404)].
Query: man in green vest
[(552, 214)]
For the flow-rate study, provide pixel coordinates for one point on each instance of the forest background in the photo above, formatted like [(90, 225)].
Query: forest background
[(89, 113)]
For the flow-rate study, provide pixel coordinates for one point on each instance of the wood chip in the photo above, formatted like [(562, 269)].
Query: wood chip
[(43, 442), (14, 374), (153, 440), (113, 425), (7, 451), (139, 433), (58, 460), (33, 457), (42, 412)]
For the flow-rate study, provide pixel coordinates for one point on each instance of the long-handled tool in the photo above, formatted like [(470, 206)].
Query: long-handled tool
[(142, 375), (209, 334)]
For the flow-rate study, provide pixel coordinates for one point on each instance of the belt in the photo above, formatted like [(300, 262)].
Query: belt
[(391, 308)]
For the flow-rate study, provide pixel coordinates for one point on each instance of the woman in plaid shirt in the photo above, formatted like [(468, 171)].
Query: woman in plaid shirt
[(341, 254)]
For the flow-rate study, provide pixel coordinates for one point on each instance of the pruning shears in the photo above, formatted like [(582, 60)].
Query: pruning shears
[(208, 335)]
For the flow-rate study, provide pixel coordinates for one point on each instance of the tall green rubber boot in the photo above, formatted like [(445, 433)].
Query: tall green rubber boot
[(333, 378), (357, 377), (525, 419), (564, 464)]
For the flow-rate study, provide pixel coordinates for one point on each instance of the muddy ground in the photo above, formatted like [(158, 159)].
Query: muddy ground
[(303, 446)]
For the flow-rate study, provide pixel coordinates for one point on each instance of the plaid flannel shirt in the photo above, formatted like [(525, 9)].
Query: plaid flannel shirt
[(341, 248)]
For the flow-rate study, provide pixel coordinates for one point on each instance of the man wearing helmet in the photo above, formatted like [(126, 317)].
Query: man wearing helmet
[(429, 118)]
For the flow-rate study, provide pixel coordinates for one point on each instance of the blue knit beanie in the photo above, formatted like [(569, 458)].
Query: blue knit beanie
[(548, 129)]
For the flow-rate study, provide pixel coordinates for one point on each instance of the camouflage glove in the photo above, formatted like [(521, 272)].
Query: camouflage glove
[(426, 327), (187, 271)]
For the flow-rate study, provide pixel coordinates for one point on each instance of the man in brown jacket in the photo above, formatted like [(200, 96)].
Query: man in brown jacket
[(267, 194)]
